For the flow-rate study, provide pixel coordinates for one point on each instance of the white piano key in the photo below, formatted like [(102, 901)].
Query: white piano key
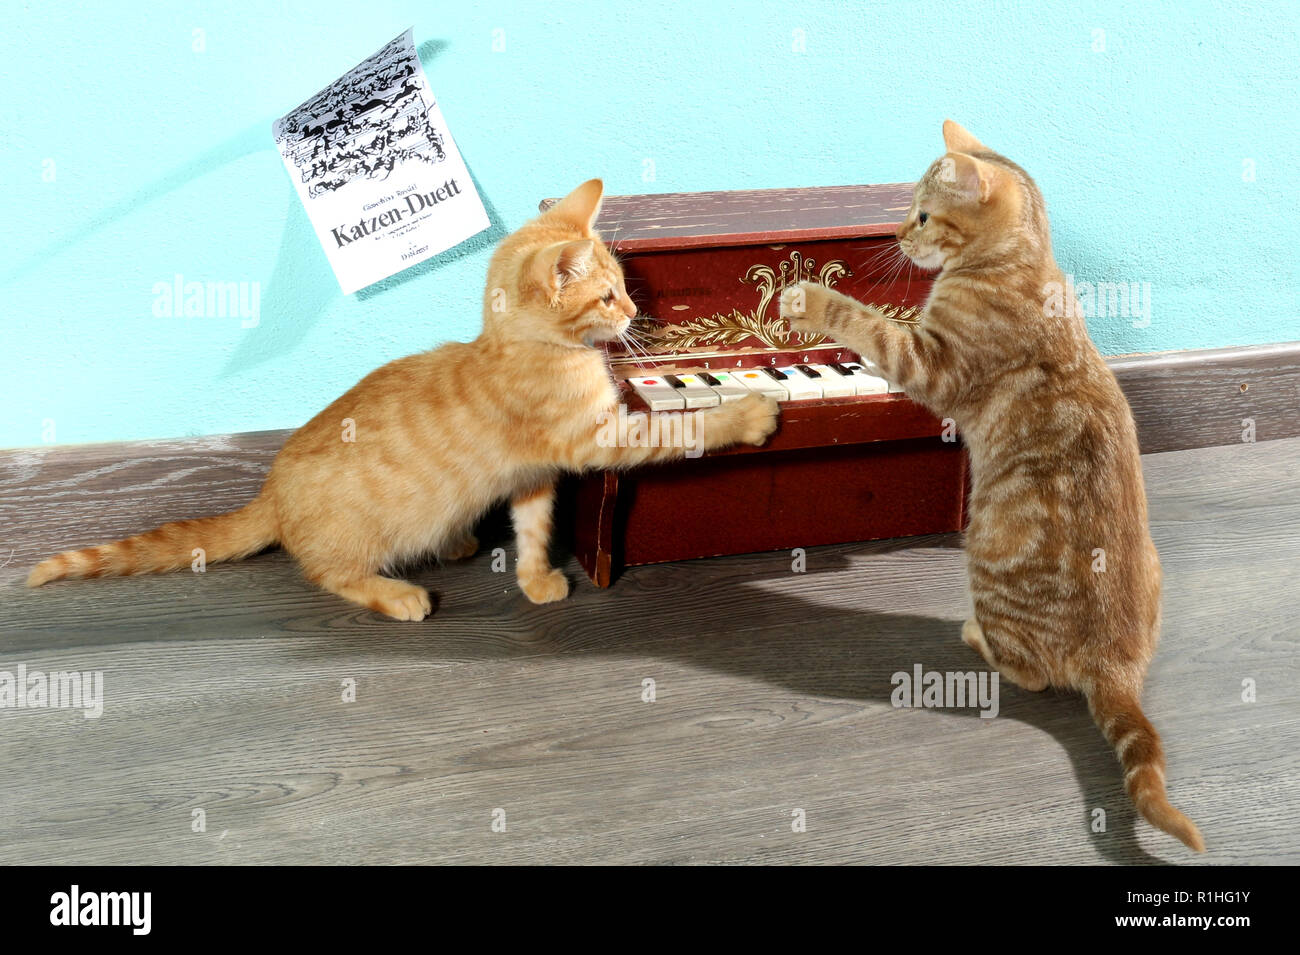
[(865, 383), (800, 386), (835, 385), (874, 369), (658, 394), (755, 379), (728, 389), (696, 393), (873, 385)]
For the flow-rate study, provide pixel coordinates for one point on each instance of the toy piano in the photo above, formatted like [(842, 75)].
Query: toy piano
[(853, 458)]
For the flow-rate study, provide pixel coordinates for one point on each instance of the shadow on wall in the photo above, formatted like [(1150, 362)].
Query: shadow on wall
[(253, 139), (300, 288)]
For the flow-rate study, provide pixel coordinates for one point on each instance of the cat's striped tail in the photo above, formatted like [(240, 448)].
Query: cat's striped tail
[(170, 547), (1119, 715)]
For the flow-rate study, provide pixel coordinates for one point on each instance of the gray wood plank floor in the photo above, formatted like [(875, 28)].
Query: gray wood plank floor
[(223, 693)]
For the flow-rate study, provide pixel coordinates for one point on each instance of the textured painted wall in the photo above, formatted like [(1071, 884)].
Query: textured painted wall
[(137, 149)]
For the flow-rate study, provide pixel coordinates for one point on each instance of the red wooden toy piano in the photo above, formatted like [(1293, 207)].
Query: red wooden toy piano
[(853, 459)]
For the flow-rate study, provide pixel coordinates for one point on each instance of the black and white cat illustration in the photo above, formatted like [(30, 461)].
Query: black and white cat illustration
[(362, 126)]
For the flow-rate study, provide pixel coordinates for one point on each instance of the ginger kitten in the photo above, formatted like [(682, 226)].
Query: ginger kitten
[(1056, 474), (440, 437)]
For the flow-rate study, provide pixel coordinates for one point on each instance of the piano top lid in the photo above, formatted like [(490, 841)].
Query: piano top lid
[(684, 220)]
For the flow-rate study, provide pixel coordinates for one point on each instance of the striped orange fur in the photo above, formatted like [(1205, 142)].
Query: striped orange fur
[(1062, 569), (406, 462)]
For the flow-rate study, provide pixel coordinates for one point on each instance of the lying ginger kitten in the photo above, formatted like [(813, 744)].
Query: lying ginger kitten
[(440, 437)]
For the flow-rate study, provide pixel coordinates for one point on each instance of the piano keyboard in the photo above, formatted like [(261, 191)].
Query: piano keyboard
[(786, 383)]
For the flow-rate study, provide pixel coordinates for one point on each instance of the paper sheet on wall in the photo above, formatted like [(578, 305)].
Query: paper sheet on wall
[(377, 170)]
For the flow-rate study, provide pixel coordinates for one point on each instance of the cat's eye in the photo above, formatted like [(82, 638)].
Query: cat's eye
[(923, 217), (608, 297)]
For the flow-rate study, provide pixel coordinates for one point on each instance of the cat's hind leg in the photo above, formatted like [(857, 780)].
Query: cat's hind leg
[(395, 598), (357, 581), (344, 555), (1013, 665), (461, 547)]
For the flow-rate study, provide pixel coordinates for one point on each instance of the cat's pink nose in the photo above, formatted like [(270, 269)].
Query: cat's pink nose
[(628, 306)]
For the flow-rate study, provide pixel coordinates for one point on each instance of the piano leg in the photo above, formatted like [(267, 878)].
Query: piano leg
[(597, 502)]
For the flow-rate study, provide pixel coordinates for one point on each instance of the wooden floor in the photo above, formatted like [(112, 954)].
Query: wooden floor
[(223, 693)]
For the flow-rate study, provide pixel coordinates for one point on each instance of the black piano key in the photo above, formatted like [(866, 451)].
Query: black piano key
[(709, 379), (810, 372), (845, 370), (773, 373), (674, 381)]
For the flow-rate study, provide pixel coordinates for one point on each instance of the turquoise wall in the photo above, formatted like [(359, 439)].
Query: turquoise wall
[(129, 157)]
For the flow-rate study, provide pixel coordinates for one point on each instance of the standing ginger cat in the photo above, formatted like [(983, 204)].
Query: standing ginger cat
[(441, 436), (1053, 450)]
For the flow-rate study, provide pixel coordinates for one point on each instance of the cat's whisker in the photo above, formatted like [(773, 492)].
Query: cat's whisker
[(646, 349), (880, 256), (883, 253), (628, 341), (891, 269), (910, 271), (635, 345), (642, 357), (901, 261)]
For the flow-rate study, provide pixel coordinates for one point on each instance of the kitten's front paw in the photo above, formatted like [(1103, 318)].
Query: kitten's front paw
[(759, 418), (545, 588), (803, 306)]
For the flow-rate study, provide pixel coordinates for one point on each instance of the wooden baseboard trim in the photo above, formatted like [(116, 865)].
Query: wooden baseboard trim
[(1181, 400), (1200, 399)]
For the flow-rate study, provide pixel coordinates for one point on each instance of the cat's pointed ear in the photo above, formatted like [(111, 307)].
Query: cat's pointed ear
[(563, 262), (582, 206), (973, 178), (957, 139)]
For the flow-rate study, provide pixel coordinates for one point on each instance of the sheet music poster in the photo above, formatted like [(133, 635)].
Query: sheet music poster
[(377, 170)]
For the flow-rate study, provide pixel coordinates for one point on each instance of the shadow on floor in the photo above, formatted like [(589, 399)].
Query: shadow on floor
[(716, 615), (806, 647)]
